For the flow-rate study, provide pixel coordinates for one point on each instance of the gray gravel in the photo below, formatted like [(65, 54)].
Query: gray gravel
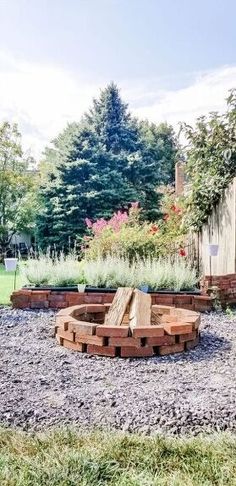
[(43, 384)]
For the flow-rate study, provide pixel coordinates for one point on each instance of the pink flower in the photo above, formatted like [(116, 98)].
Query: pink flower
[(88, 222), (166, 217), (135, 205)]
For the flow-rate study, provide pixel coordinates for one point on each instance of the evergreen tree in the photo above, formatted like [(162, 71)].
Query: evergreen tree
[(98, 166)]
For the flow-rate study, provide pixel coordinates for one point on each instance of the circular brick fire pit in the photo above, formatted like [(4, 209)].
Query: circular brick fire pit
[(82, 328)]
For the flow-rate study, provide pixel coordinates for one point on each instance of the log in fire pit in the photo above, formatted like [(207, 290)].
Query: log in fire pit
[(129, 327)]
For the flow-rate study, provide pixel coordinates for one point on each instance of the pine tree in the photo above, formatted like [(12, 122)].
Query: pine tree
[(97, 166)]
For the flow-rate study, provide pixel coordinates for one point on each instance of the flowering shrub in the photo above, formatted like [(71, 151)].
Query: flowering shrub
[(126, 235)]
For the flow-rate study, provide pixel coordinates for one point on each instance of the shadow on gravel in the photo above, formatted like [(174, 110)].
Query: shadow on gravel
[(209, 346)]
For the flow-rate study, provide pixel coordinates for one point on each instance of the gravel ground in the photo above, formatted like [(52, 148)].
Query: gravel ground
[(42, 384)]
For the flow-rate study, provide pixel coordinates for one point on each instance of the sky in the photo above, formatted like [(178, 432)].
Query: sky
[(173, 60)]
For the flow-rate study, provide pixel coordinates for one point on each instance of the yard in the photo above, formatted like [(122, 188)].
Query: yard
[(7, 285), (68, 458)]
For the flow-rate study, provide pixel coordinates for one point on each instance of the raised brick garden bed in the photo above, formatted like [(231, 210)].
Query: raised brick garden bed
[(226, 285), (81, 328), (44, 299)]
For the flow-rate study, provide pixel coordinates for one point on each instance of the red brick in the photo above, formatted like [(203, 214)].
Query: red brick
[(59, 339), (187, 337), (191, 344), (39, 305), (186, 306), (183, 299), (93, 298), (79, 338), (126, 341), (74, 346), (132, 352), (160, 341), (65, 334), (112, 331), (164, 299), (177, 329), (39, 296), (57, 297), (147, 331), (163, 309), (108, 298), (176, 348), (74, 298), (82, 328), (95, 308), (55, 304), (20, 303), (102, 350)]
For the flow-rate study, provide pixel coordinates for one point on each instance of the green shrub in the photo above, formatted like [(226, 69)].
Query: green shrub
[(156, 273), (126, 235)]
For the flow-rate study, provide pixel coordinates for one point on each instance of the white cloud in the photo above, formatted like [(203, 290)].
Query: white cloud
[(207, 93), (43, 98)]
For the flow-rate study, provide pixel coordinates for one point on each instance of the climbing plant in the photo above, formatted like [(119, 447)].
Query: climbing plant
[(210, 161)]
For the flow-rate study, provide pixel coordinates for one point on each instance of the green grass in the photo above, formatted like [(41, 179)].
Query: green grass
[(69, 458), (7, 284)]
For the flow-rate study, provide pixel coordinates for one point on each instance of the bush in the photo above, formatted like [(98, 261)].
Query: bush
[(60, 271), (157, 273), (126, 235)]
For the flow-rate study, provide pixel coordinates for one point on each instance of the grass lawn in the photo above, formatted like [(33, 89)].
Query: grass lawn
[(67, 458), (7, 284)]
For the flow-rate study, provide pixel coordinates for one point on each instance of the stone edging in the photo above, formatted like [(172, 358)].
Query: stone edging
[(44, 299), (81, 328)]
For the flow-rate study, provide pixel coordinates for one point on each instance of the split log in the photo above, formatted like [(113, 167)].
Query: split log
[(140, 309), (117, 310)]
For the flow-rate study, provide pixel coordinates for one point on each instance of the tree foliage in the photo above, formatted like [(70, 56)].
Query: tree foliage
[(211, 161), (100, 165), (16, 187)]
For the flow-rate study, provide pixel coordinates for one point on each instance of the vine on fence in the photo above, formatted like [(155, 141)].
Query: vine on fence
[(211, 161)]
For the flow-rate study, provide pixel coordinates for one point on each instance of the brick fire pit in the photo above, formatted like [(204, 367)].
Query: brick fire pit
[(82, 328)]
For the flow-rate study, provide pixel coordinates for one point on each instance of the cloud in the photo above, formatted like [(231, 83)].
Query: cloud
[(42, 99), (206, 93)]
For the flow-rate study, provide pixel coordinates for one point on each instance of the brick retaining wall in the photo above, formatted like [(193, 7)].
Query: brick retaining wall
[(81, 328), (44, 299), (226, 287)]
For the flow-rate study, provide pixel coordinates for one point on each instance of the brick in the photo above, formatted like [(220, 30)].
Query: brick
[(59, 339), (80, 338), (177, 329), (82, 328), (183, 299), (133, 352), (164, 299), (108, 298), (176, 348), (102, 350), (191, 344), (186, 306), (112, 331), (163, 309), (95, 308), (65, 334), (20, 304), (74, 346), (57, 297), (187, 337), (148, 331), (160, 341), (39, 305), (57, 304), (74, 298), (93, 298), (126, 341), (39, 296)]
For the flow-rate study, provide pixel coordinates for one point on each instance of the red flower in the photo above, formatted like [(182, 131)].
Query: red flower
[(175, 209), (154, 229), (182, 252)]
